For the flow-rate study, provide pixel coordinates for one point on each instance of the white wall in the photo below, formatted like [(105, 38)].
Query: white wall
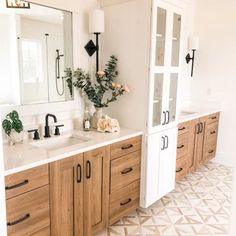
[(215, 69)]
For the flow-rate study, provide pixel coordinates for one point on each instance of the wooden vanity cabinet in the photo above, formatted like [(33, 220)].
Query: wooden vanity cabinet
[(80, 193)]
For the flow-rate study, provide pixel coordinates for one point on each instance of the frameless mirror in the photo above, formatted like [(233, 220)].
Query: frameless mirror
[(36, 48)]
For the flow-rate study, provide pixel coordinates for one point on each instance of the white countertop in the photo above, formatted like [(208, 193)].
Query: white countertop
[(24, 156), (195, 113)]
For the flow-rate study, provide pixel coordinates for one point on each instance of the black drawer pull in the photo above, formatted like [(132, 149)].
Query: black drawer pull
[(18, 221), (88, 170), (213, 118), (213, 132), (179, 170), (125, 203), (79, 173), (17, 185), (182, 146), (211, 151), (127, 146), (180, 129), (126, 171)]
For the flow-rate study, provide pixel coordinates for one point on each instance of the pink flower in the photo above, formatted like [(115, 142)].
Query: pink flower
[(113, 84), (126, 88), (100, 73), (118, 86)]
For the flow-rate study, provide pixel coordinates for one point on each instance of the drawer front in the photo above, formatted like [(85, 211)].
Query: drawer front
[(210, 152), (43, 232), (211, 133), (26, 181), (124, 147), (124, 201), (125, 170), (28, 213), (181, 168), (213, 118), (182, 145), (183, 127)]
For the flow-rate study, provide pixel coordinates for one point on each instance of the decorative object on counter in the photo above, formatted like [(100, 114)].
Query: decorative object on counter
[(96, 26), (87, 120), (17, 4), (107, 124), (193, 44), (95, 90), (13, 127)]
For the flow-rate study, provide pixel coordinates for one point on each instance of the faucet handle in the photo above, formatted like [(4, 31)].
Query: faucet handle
[(57, 131), (36, 133)]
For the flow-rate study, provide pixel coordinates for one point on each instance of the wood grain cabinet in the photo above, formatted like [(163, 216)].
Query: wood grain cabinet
[(197, 142), (27, 194), (80, 193)]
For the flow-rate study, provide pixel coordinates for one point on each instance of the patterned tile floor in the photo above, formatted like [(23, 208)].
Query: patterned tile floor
[(199, 205)]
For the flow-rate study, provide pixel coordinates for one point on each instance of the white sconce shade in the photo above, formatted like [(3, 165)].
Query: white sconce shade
[(96, 21), (193, 43)]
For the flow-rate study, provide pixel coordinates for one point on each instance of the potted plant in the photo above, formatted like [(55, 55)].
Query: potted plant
[(13, 127), (103, 85)]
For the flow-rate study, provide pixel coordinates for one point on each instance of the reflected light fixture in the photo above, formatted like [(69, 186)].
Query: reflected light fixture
[(17, 4), (96, 26), (193, 44)]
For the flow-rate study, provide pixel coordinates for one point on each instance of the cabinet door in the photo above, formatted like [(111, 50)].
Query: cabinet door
[(167, 162), (63, 183), (96, 190)]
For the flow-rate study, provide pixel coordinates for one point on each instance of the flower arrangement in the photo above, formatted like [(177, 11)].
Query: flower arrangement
[(104, 83)]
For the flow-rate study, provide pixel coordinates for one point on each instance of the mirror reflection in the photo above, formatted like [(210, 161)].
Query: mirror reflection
[(36, 48)]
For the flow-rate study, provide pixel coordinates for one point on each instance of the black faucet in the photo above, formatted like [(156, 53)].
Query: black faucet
[(47, 128)]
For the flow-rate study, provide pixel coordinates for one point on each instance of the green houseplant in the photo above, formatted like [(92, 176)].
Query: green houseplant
[(13, 127)]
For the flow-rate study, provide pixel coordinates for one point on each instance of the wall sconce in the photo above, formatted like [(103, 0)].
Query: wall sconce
[(193, 44), (17, 4), (96, 26)]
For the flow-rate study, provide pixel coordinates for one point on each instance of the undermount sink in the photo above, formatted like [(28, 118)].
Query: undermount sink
[(55, 143), (187, 113)]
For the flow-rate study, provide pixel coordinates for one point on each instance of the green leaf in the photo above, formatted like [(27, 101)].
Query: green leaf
[(6, 125), (17, 126), (13, 115)]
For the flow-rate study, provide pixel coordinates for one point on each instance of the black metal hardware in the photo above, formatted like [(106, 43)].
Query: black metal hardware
[(168, 117), (125, 203), (164, 122), (47, 128), (180, 129), (164, 143), (79, 173), (179, 147), (211, 151), (188, 58), (198, 128), (88, 170), (17, 185), (36, 133), (19, 220), (213, 132), (58, 73), (127, 146), (213, 118), (179, 170), (57, 131), (167, 142), (126, 171)]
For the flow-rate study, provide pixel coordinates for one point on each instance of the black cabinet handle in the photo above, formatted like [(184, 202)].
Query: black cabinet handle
[(179, 170), (167, 142), (182, 146), (164, 122), (180, 129), (164, 143), (79, 173), (213, 118), (126, 171), (88, 169), (125, 203), (211, 151), (17, 185), (168, 117), (213, 132), (201, 127), (19, 220), (127, 146), (198, 128)]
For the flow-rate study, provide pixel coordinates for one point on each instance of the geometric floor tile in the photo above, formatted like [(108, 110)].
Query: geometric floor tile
[(199, 206)]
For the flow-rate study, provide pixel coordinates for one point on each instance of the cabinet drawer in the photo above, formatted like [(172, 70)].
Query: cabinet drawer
[(28, 213), (181, 168), (213, 118), (125, 170), (123, 201), (210, 152), (43, 232), (25, 181), (182, 145), (183, 127), (124, 147), (211, 133)]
